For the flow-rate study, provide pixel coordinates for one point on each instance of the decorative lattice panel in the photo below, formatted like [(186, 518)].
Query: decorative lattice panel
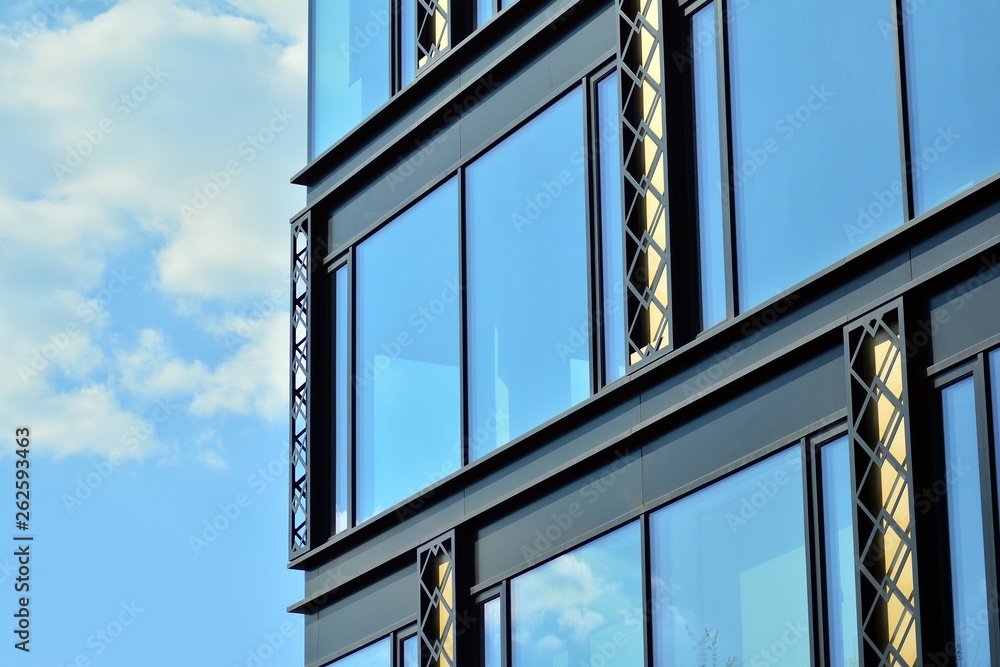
[(437, 603), (433, 30), (641, 72), (299, 455), (883, 484)]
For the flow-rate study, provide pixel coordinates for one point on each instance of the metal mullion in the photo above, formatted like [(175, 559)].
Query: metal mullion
[(595, 292), (816, 540), (395, 47), (352, 385), (505, 634), (727, 160), (646, 572), (902, 109), (465, 456), (987, 461)]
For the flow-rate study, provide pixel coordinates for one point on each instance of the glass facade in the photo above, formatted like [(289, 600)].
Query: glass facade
[(584, 607), (825, 89), (839, 550), (350, 71), (378, 654), (411, 647), (711, 225), (954, 136), (612, 237), (529, 352), (965, 522), (341, 388), (492, 629), (734, 556), (408, 366)]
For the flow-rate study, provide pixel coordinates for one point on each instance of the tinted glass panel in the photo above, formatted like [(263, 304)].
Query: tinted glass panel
[(710, 223), (408, 40), (807, 103), (734, 557), (612, 232), (491, 633), (529, 355), (965, 522), (484, 11), (351, 76), (410, 657), (953, 64), (407, 370), (340, 389), (378, 654), (838, 543), (582, 608)]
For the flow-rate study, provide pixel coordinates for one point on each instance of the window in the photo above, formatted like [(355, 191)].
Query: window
[(351, 76), (584, 607), (341, 388), (965, 522), (711, 225), (484, 11), (953, 96), (839, 550), (378, 654), (529, 351), (407, 372), (612, 235), (815, 138), (733, 555), (492, 629), (410, 652)]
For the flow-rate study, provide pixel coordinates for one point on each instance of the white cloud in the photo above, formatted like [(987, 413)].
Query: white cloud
[(151, 97)]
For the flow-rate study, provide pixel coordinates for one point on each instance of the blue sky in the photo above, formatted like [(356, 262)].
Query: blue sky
[(145, 151)]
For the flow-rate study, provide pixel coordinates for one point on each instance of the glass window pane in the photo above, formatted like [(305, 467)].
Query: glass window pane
[(995, 400), (838, 544), (491, 633), (410, 652), (340, 389), (953, 64), (484, 11), (965, 522), (351, 75), (529, 350), (378, 654), (734, 557), (612, 231), (408, 401), (816, 137), (711, 230), (582, 608), (408, 40)]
